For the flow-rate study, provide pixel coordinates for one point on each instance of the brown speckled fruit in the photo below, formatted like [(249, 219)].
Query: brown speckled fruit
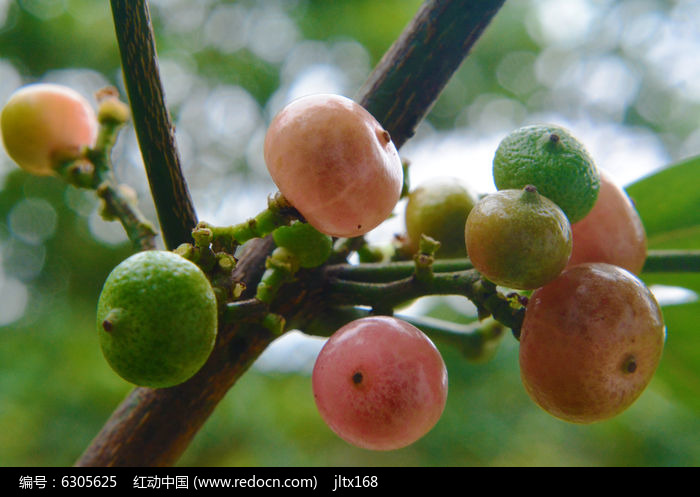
[(590, 342)]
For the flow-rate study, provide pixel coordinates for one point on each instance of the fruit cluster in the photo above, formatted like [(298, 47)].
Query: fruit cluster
[(592, 334)]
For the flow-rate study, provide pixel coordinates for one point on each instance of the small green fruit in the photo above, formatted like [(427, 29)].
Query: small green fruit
[(157, 319), (552, 160), (309, 245), (46, 124), (518, 238)]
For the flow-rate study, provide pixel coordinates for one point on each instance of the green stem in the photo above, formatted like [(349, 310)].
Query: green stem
[(384, 272), (476, 340), (139, 229), (281, 267), (672, 261), (118, 201), (425, 258), (279, 212), (468, 283), (250, 309), (657, 261)]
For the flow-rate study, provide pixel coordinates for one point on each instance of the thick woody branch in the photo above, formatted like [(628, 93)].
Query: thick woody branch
[(409, 78), (154, 129)]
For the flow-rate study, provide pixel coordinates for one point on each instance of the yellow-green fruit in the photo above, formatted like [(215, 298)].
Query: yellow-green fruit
[(518, 238), (552, 160), (45, 124), (439, 210), (157, 319)]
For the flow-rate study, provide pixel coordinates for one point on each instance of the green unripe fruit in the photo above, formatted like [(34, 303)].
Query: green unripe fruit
[(157, 319), (439, 210), (518, 238), (46, 124), (309, 245), (552, 160)]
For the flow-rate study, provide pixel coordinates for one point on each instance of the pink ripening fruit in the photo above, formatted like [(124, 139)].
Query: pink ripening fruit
[(612, 232), (44, 124), (380, 383), (334, 163)]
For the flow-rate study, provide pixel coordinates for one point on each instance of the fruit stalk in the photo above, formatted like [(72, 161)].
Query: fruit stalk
[(278, 213), (468, 283), (383, 272), (476, 340), (139, 230)]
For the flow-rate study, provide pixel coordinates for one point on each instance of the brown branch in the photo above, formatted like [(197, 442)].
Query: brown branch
[(152, 122), (409, 78), (154, 427)]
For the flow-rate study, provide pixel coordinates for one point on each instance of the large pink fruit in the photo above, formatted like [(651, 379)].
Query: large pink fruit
[(45, 124), (380, 383), (335, 163)]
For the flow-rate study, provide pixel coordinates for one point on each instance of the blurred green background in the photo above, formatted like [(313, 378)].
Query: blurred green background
[(624, 76)]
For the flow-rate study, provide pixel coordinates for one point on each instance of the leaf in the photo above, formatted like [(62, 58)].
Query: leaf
[(679, 370), (669, 205)]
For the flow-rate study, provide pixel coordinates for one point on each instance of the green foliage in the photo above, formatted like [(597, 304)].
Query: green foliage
[(668, 204)]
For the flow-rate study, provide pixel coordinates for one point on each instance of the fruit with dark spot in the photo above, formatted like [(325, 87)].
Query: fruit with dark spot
[(157, 319), (334, 163), (380, 383), (590, 342)]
